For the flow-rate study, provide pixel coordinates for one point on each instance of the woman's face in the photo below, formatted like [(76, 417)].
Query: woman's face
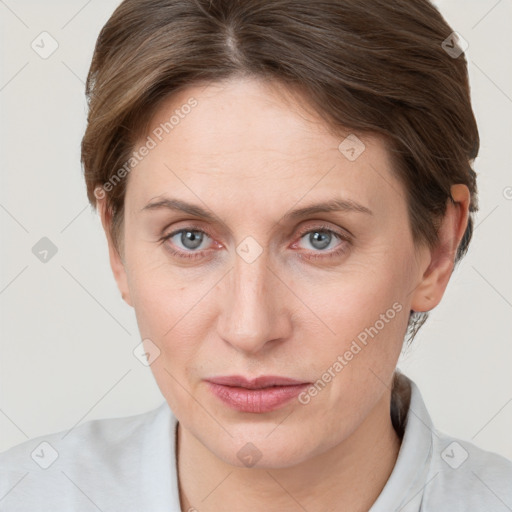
[(259, 288)]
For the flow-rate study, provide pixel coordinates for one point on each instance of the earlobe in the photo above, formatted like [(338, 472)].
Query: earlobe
[(440, 264), (116, 263)]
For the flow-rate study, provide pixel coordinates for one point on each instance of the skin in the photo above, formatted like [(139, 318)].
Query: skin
[(250, 153)]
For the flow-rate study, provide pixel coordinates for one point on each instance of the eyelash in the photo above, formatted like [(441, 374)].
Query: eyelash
[(324, 229)]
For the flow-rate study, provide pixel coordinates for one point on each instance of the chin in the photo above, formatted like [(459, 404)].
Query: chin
[(264, 446)]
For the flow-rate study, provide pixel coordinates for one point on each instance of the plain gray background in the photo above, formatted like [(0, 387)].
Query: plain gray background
[(66, 335)]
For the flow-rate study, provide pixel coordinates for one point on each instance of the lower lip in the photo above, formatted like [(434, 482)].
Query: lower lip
[(256, 400)]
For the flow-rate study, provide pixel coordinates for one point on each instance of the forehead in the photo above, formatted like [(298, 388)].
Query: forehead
[(259, 140)]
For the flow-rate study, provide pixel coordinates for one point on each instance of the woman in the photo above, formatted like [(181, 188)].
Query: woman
[(285, 187)]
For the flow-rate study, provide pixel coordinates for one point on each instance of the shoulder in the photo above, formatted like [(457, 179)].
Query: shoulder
[(92, 462), (436, 472), (465, 477), (90, 439)]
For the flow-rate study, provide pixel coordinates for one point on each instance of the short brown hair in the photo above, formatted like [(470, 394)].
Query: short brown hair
[(375, 67)]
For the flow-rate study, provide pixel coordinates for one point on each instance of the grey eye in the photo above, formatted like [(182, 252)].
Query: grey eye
[(319, 239), (190, 239)]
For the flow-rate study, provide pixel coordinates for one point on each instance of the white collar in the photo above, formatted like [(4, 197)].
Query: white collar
[(404, 489)]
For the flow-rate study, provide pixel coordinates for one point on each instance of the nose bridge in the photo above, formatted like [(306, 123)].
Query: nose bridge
[(250, 316)]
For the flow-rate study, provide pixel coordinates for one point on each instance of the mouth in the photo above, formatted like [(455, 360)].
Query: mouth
[(262, 394)]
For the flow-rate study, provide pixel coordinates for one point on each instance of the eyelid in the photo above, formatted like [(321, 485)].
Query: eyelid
[(344, 234), (190, 227)]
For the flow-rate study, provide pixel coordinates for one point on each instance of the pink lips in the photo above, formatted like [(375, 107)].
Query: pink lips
[(259, 395)]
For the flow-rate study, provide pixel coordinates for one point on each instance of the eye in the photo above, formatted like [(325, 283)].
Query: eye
[(323, 238), (320, 239), (190, 239)]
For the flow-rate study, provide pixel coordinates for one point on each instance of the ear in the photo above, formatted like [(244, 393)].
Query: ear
[(116, 261), (441, 260)]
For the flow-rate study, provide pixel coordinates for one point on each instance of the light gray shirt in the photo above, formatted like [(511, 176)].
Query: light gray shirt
[(129, 464)]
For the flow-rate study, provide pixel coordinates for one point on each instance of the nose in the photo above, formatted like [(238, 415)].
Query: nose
[(253, 310)]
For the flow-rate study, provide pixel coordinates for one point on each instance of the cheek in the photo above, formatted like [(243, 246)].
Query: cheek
[(362, 325), (175, 308), (169, 312), (354, 365), (364, 313), (155, 300), (354, 298), (156, 288), (173, 316)]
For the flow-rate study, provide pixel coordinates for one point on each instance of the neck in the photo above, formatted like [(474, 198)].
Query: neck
[(348, 477)]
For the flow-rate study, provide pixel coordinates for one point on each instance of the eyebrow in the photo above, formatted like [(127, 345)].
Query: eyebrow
[(333, 205)]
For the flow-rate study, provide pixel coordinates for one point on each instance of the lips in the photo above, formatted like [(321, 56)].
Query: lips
[(264, 381), (258, 395)]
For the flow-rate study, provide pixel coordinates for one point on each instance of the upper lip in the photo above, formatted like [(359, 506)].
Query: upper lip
[(257, 383)]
